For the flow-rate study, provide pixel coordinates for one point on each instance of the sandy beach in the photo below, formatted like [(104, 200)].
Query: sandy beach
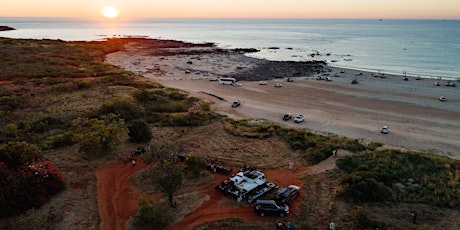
[(411, 109)]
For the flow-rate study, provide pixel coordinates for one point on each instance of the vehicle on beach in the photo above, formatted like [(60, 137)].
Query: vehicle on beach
[(153, 68), (269, 207), (328, 79), (290, 79), (354, 81), (385, 129), (277, 85), (358, 74), (227, 81), (286, 195), (299, 118), (442, 98), (436, 83), (418, 78), (449, 84), (236, 103), (319, 78), (237, 84), (135, 62), (263, 83), (287, 116)]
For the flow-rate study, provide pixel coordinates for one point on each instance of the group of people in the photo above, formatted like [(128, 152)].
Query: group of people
[(130, 157)]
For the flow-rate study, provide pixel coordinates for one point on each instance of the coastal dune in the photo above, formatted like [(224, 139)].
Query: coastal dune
[(416, 118)]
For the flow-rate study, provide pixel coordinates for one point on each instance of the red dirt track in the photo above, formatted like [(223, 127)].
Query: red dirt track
[(117, 198)]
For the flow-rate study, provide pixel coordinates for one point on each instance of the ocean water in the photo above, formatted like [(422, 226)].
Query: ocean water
[(426, 48)]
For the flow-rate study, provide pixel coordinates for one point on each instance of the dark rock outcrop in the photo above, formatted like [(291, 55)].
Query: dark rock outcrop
[(267, 70), (6, 28)]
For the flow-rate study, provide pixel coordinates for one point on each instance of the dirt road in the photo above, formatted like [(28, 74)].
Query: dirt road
[(117, 198)]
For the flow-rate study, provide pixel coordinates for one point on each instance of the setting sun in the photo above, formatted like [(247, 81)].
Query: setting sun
[(109, 12)]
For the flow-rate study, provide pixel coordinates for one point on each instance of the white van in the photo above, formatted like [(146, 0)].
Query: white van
[(227, 81)]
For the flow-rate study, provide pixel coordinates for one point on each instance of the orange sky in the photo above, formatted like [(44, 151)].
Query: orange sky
[(385, 9)]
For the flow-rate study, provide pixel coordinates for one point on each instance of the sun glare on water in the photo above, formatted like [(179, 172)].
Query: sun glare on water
[(109, 12)]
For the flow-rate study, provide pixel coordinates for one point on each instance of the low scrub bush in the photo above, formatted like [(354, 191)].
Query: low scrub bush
[(152, 215), (195, 165), (127, 108), (361, 220), (258, 129), (402, 177), (58, 141)]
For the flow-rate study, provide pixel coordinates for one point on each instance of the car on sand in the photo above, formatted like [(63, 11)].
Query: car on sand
[(236, 103), (287, 116), (263, 82), (385, 129), (270, 207), (299, 118), (442, 98)]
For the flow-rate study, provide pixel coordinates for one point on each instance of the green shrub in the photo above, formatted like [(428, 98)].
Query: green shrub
[(139, 131), (360, 220), (374, 145), (195, 165), (152, 215), (318, 154), (16, 154), (58, 141), (407, 176), (125, 107), (364, 187), (84, 84)]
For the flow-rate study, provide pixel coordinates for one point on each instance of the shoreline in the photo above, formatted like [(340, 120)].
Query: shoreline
[(417, 119)]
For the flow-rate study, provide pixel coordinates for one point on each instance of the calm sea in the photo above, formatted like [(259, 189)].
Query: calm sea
[(427, 48)]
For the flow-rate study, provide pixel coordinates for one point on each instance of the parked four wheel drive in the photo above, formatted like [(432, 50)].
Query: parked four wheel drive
[(269, 207), (236, 104), (385, 129), (287, 116), (286, 195), (299, 118)]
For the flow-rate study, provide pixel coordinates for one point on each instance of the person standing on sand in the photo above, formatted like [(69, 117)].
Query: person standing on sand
[(133, 163), (290, 164), (414, 217)]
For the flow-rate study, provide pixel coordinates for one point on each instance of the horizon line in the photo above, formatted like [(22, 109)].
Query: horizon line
[(245, 18)]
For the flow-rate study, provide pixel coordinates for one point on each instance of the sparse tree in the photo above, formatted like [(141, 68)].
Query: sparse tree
[(168, 178), (99, 136)]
